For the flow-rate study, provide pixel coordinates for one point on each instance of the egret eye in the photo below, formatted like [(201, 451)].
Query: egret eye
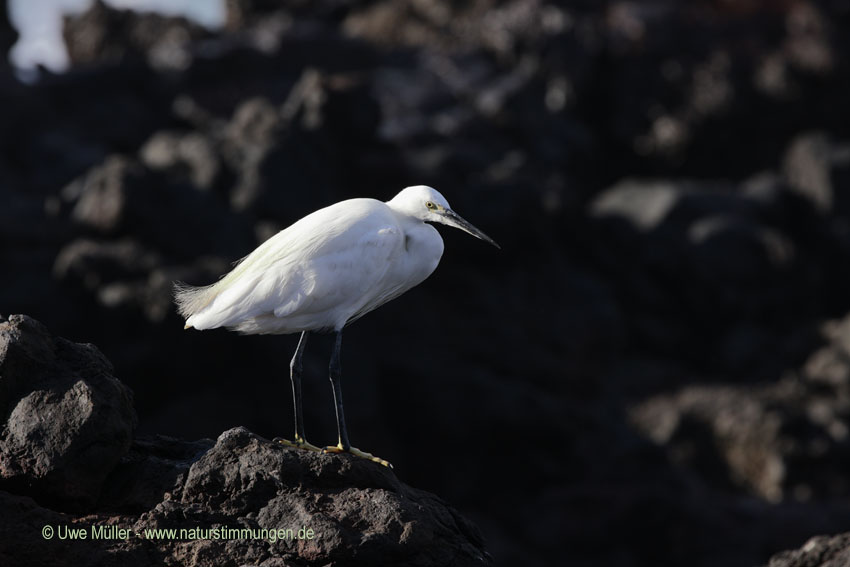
[(431, 206)]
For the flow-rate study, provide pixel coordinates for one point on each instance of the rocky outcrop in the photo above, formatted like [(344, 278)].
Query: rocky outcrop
[(76, 487), (103, 35), (821, 551), (66, 420)]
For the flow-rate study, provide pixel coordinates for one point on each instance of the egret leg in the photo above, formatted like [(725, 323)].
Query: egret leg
[(336, 384), (344, 446), (295, 368)]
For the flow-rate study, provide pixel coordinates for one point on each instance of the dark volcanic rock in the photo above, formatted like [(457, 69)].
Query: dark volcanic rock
[(8, 35), (123, 196), (189, 157), (818, 168), (821, 551), (66, 420), (248, 500), (102, 34), (723, 255), (66, 443), (357, 510), (154, 466)]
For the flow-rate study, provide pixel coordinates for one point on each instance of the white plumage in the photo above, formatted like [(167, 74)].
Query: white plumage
[(327, 269), (324, 271)]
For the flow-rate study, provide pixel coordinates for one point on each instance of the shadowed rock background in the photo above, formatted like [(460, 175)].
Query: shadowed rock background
[(655, 369)]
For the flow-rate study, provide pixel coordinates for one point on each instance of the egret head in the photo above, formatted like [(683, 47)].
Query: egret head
[(427, 204)]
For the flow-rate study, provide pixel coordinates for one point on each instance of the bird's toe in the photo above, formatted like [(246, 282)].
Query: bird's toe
[(357, 453), (299, 443)]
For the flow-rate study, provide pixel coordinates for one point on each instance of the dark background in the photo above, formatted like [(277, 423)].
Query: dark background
[(655, 368)]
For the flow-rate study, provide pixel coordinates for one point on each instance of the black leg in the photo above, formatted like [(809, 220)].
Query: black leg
[(336, 373), (295, 376)]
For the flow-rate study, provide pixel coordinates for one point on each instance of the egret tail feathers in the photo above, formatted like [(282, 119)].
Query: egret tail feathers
[(192, 299)]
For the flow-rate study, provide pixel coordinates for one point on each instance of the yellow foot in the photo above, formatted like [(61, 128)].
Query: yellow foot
[(357, 453), (299, 443)]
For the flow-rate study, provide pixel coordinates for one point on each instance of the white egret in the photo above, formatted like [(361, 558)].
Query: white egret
[(325, 271)]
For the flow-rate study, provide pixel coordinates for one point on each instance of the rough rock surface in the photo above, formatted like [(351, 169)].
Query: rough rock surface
[(67, 463), (821, 551), (357, 511), (66, 421)]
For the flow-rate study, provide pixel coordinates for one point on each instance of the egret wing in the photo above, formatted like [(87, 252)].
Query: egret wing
[(318, 272), (335, 285)]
